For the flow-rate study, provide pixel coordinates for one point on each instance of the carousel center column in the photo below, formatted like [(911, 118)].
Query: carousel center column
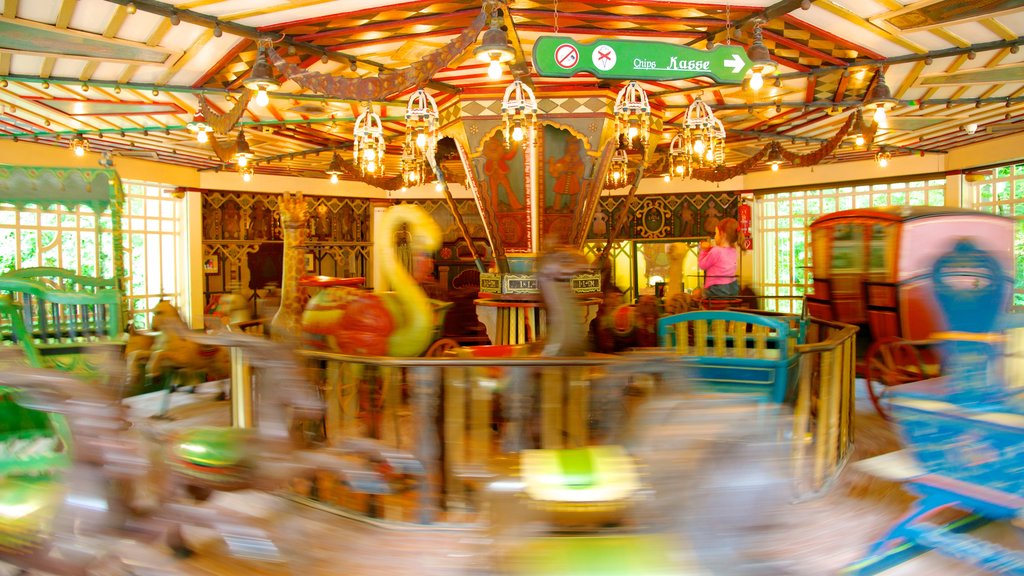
[(536, 178)]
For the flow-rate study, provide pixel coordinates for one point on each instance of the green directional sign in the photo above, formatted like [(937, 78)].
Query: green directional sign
[(562, 57)]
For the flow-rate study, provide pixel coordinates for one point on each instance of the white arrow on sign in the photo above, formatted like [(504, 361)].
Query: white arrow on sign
[(736, 62)]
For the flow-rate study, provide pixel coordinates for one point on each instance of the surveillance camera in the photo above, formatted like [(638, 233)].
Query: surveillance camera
[(971, 128)]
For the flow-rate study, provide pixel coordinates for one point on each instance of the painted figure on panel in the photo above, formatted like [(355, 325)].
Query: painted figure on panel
[(567, 170), (231, 216), (260, 227), (496, 169)]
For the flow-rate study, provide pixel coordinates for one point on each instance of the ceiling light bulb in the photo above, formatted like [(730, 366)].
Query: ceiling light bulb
[(879, 116), (680, 169), (334, 178), (883, 162), (439, 187), (710, 155), (371, 166), (632, 132), (79, 151), (246, 176), (859, 140), (667, 178), (421, 140), (616, 175), (698, 147), (131, 8), (517, 133), (368, 153), (494, 69), (262, 99), (243, 161), (201, 137), (756, 81), (413, 177), (775, 167), (971, 128)]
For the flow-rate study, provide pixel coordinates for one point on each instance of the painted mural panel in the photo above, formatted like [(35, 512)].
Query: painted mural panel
[(659, 216), (501, 174), (566, 166)]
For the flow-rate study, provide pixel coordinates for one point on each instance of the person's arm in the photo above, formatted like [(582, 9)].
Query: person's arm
[(707, 258)]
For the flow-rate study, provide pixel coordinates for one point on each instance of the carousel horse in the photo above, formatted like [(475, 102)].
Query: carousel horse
[(172, 351), (402, 322), (208, 459), (70, 471)]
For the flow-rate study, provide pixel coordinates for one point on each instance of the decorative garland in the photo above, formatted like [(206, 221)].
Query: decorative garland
[(723, 173), (812, 158), (223, 123), (225, 152), (387, 82)]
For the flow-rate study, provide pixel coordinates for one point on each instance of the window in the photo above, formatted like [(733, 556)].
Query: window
[(783, 270), (81, 240), (154, 248), (1001, 191)]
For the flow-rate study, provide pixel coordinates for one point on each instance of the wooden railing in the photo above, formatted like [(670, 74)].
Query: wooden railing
[(825, 403), (465, 419)]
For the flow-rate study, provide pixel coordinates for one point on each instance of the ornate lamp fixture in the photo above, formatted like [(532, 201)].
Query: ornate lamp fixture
[(879, 99), (200, 127), (421, 122), (260, 78), (79, 145), (616, 177), (632, 115), (678, 163), (703, 137), (334, 170), (242, 152), (518, 112), (775, 158), (368, 148), (494, 48), (857, 130), (413, 168), (761, 62), (883, 157)]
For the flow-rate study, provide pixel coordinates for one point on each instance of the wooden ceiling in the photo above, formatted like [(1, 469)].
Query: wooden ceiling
[(128, 76)]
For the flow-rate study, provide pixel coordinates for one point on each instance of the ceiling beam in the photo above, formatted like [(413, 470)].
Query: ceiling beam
[(213, 23), (927, 57)]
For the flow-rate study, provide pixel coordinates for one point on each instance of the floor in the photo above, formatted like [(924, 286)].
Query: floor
[(818, 537)]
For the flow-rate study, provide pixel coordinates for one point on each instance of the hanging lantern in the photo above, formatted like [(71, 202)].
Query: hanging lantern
[(882, 158), (421, 122), (420, 136), (368, 147), (518, 112), (494, 48), (242, 152), (199, 127), (619, 166), (761, 62), (703, 137), (775, 158), (632, 116), (678, 164), (879, 99), (79, 145), (335, 170), (413, 168), (260, 78)]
